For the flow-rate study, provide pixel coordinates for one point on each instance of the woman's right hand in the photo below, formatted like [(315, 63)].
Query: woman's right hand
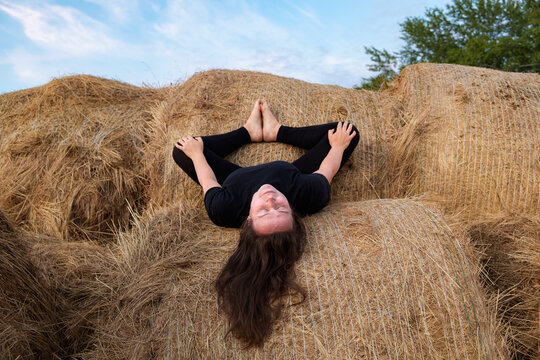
[(341, 136), (190, 146)]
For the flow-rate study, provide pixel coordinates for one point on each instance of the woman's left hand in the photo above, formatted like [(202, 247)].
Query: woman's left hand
[(341, 136), (190, 146)]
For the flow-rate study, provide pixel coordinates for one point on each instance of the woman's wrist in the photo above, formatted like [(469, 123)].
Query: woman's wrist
[(338, 148)]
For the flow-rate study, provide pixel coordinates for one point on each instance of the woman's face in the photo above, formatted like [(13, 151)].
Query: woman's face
[(270, 211)]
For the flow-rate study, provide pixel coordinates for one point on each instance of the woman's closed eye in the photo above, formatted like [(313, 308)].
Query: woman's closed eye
[(281, 209)]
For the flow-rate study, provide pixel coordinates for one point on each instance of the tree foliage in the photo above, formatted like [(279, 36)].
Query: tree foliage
[(498, 34)]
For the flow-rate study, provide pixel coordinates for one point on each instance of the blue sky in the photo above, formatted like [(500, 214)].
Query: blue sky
[(162, 42)]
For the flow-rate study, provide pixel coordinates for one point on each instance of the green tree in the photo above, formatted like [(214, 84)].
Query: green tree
[(385, 64), (498, 34)]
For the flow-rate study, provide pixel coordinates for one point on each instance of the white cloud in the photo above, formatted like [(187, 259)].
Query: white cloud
[(218, 24), (61, 29), (180, 38), (308, 14), (197, 36), (119, 10)]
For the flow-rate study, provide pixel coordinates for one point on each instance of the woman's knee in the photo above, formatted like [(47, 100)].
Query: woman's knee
[(355, 139), (180, 157), (356, 133)]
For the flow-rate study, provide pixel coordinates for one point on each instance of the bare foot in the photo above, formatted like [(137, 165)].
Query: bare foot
[(270, 124), (254, 123)]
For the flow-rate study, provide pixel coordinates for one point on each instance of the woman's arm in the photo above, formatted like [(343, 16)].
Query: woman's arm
[(205, 174), (339, 139), (193, 148)]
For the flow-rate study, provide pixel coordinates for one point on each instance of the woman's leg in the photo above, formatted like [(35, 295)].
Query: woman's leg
[(216, 147), (221, 167), (306, 137), (315, 139), (224, 144)]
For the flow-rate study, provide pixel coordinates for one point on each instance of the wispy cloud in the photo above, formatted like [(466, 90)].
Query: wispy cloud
[(218, 24), (119, 10), (235, 34), (61, 29), (163, 41), (307, 14)]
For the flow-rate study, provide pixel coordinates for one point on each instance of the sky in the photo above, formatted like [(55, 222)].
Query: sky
[(158, 43)]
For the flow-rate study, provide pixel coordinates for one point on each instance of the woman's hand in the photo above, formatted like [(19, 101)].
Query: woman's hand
[(341, 137), (190, 146)]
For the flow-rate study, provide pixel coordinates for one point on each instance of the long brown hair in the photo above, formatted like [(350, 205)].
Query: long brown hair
[(256, 276)]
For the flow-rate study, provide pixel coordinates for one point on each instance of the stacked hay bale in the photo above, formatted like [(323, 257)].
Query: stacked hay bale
[(384, 279), (70, 154), (470, 137), (77, 273), (220, 100), (28, 316), (51, 290), (512, 261)]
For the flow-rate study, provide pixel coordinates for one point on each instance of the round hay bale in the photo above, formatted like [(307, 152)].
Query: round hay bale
[(384, 279), (70, 155), (217, 101), (28, 314), (512, 263), (468, 135), (77, 274)]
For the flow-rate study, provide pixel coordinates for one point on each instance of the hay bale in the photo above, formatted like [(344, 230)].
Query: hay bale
[(70, 155), (77, 274), (512, 263), (469, 138), (468, 135), (216, 101), (384, 279), (28, 316)]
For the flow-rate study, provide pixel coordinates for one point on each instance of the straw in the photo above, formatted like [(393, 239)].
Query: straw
[(384, 279)]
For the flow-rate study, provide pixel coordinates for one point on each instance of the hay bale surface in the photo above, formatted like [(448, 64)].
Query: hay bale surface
[(468, 135), (77, 274), (512, 262), (216, 101), (28, 317), (70, 155), (384, 279)]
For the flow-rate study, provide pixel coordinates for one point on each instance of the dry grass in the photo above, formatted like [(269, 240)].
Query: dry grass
[(473, 136), (512, 262), (51, 293), (70, 155), (28, 316), (77, 273), (385, 279)]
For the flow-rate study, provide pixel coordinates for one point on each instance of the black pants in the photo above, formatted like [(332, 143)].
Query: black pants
[(312, 138)]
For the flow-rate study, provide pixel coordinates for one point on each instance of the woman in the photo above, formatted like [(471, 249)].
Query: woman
[(265, 201)]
